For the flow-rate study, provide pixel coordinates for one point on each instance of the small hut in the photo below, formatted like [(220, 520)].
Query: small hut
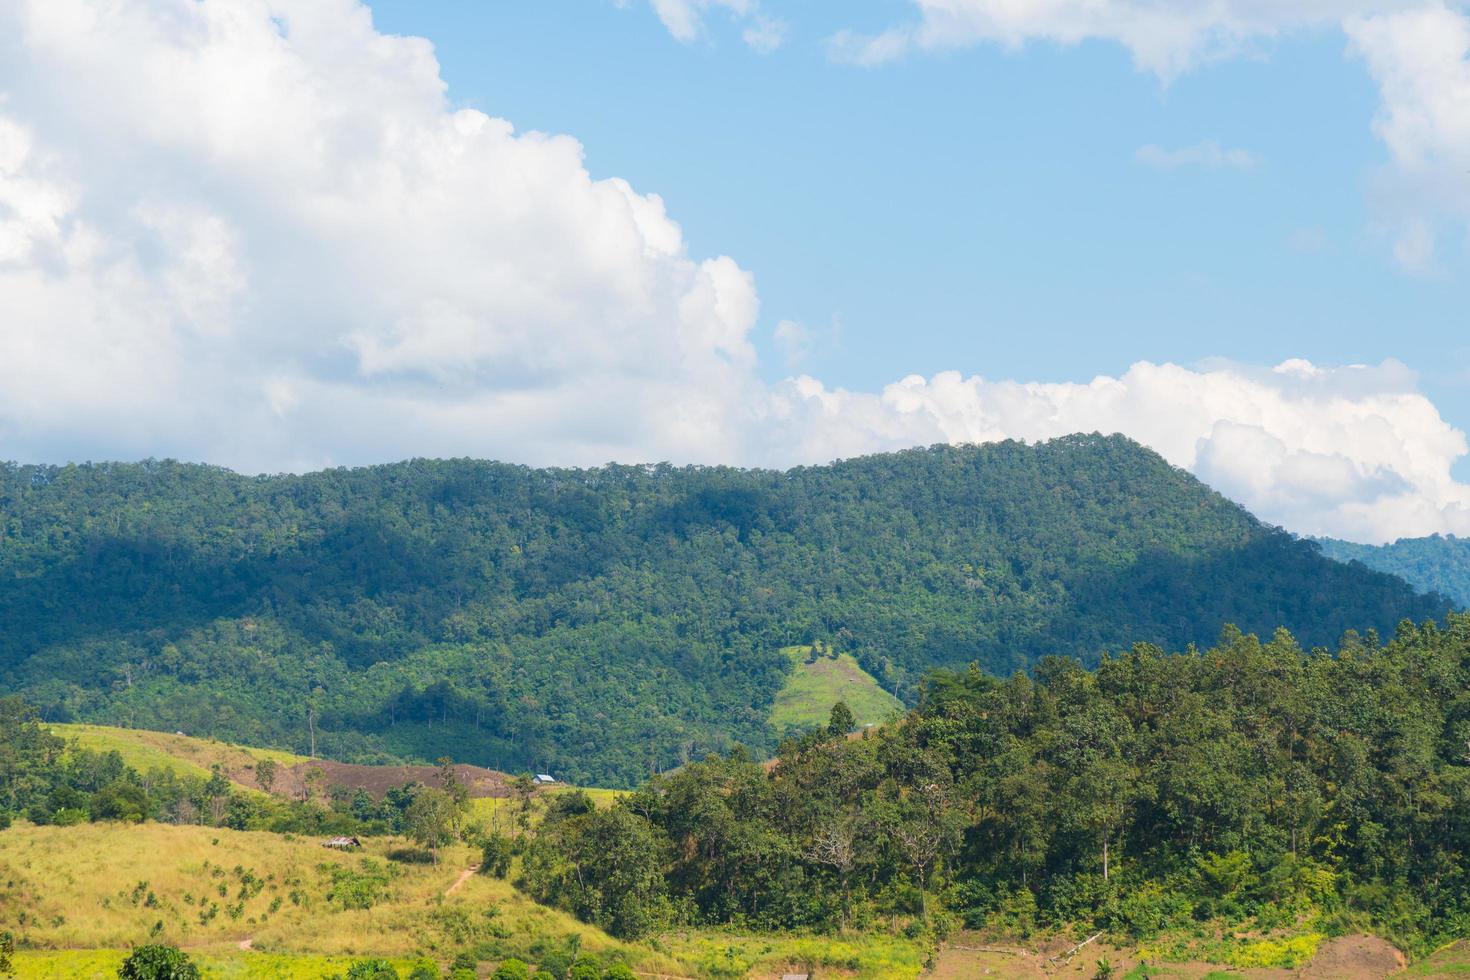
[(343, 844)]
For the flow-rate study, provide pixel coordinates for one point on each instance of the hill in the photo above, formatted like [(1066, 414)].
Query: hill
[(1440, 563), (605, 623)]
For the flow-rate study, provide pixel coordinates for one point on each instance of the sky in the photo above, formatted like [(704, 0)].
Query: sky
[(288, 234)]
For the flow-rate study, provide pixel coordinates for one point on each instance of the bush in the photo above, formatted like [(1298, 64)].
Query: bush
[(496, 858), (158, 963), (511, 969), (619, 971), (585, 969), (425, 970), (372, 970)]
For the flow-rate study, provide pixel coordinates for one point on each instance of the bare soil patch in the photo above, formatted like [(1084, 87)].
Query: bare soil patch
[(378, 780), (1354, 958)]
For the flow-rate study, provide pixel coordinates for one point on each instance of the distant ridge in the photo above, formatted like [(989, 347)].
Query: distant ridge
[(609, 622), (1439, 563)]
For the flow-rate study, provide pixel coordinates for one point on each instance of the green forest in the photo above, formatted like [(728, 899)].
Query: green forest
[(609, 623), (1252, 784), (1438, 563)]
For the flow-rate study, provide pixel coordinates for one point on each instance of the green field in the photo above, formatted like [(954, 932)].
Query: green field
[(816, 684)]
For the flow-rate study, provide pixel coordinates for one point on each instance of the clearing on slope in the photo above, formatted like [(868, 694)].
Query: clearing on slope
[(820, 677)]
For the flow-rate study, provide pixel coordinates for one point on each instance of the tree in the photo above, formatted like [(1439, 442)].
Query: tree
[(155, 962), (511, 969), (265, 774), (841, 721), (832, 845), (430, 820), (372, 969), (496, 855)]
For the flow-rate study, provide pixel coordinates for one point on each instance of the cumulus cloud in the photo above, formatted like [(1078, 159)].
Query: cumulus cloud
[(255, 232), (1207, 154), (1351, 451), (684, 19), (1421, 62), (1164, 38)]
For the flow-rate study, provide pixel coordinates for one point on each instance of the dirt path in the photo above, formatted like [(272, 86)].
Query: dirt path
[(464, 876), (246, 944)]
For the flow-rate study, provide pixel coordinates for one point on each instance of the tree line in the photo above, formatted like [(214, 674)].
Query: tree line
[(1254, 783), (613, 622)]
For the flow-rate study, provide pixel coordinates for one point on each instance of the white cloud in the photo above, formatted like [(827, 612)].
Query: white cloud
[(1207, 154), (1421, 62), (253, 232), (794, 341), (1164, 38), (684, 19), (1418, 51), (1352, 451)]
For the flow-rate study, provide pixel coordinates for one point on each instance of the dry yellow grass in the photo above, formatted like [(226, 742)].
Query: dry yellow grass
[(182, 754), (96, 887)]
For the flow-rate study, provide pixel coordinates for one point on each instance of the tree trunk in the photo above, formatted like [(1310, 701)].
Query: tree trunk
[(1105, 859)]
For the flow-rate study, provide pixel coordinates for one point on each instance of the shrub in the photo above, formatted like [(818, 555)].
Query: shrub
[(425, 970), (155, 962), (374, 969), (511, 969), (619, 971), (496, 859), (1286, 953), (585, 969)]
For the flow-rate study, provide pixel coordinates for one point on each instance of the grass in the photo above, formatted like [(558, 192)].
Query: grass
[(180, 754), (812, 688), (716, 953), (102, 964), (75, 895), (1451, 961)]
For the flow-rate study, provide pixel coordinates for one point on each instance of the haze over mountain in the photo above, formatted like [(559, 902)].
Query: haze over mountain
[(608, 622), (1438, 563)]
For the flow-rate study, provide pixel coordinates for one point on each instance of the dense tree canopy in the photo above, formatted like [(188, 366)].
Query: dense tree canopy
[(1255, 783), (1439, 563), (603, 624)]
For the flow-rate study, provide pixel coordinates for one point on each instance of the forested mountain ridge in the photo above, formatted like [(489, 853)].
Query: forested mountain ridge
[(1438, 563), (608, 622)]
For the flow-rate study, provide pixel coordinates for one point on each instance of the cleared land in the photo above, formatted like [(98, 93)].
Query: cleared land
[(817, 683)]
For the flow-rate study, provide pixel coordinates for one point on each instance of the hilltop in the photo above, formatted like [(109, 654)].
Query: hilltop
[(606, 623)]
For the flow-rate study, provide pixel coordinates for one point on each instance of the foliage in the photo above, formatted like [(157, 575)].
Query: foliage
[(612, 622), (372, 969), (496, 855), (1252, 782), (1439, 563), (511, 969), (156, 962)]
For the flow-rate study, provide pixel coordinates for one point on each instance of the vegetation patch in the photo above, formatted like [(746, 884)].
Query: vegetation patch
[(820, 677)]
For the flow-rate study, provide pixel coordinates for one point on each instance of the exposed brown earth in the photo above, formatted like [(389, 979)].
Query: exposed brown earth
[(967, 956), (377, 780), (1354, 958)]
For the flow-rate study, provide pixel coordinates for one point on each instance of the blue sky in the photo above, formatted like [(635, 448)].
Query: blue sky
[(982, 209), (288, 234)]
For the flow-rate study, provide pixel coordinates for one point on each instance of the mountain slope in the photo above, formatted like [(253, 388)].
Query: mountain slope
[(1433, 564), (604, 623)]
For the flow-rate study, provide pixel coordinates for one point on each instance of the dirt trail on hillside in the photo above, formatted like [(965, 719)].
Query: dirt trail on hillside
[(464, 876)]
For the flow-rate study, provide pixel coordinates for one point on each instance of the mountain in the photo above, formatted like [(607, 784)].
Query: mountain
[(1434, 564), (604, 623)]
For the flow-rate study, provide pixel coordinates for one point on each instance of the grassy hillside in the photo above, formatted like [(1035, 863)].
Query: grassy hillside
[(603, 624), (105, 886), (181, 754), (1440, 563), (819, 679)]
